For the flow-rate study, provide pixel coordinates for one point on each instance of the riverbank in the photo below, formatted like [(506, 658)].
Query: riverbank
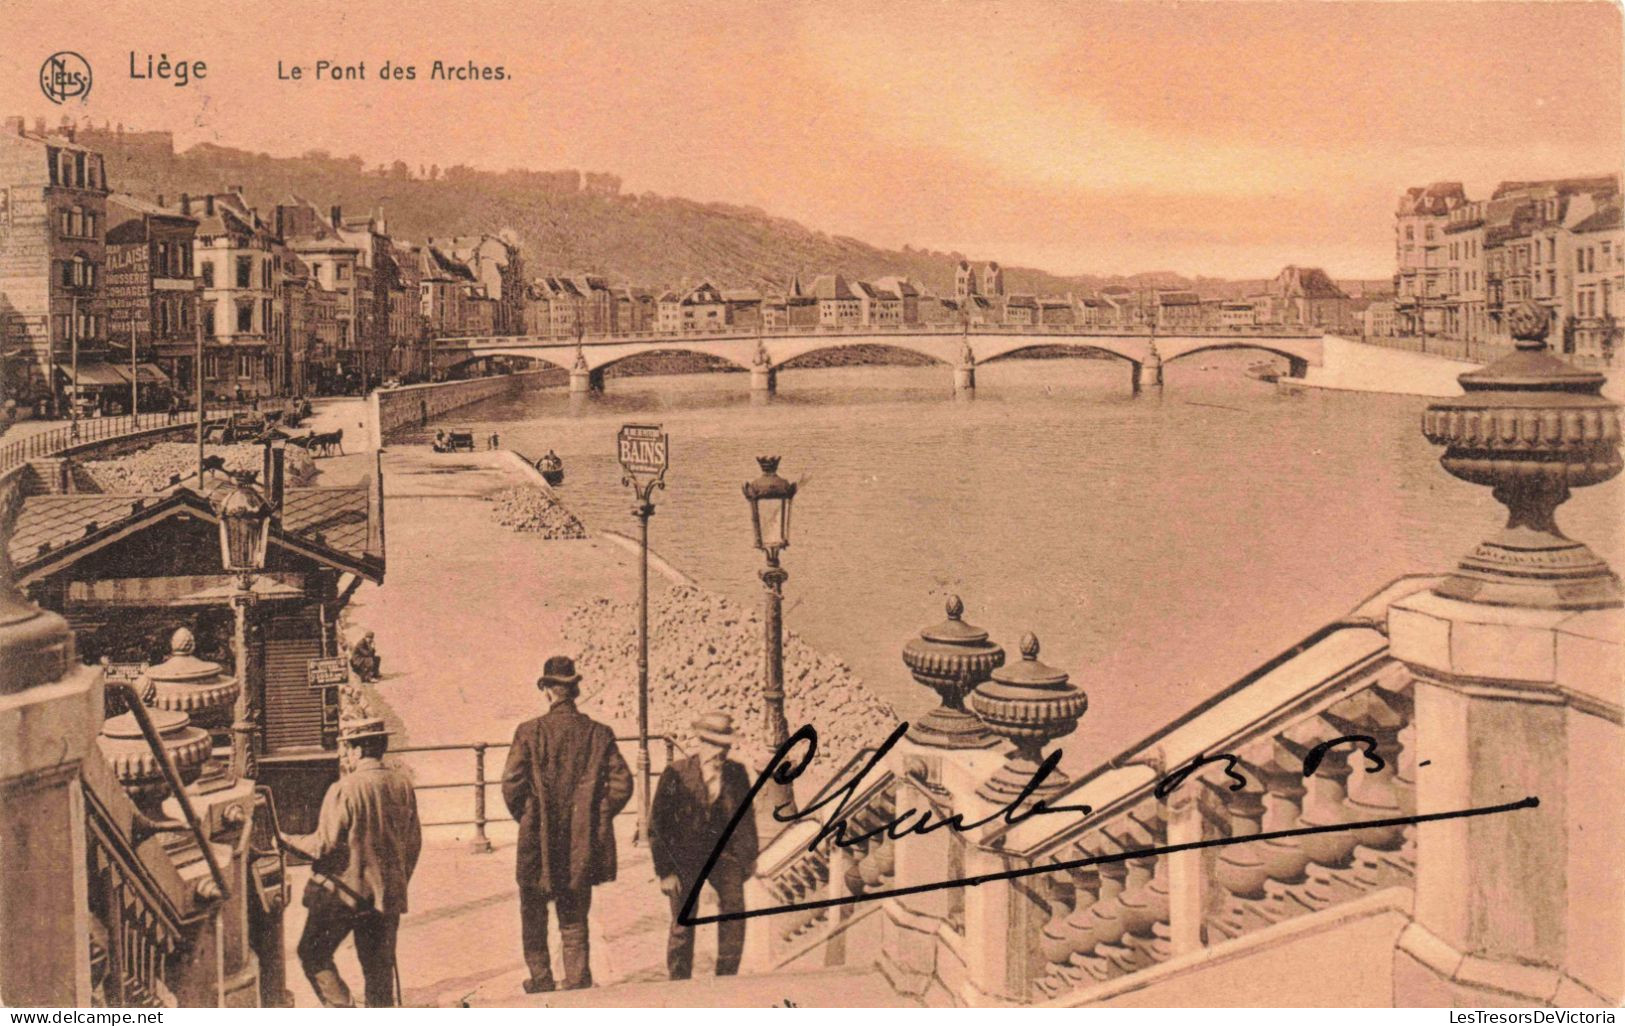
[(1352, 366)]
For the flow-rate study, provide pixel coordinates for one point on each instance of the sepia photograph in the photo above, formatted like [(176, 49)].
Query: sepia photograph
[(744, 504)]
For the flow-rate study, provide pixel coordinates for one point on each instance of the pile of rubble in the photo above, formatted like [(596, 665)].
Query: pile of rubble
[(705, 654), (150, 469), (530, 509)]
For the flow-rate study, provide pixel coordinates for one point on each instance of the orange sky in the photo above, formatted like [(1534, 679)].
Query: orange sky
[(1212, 138)]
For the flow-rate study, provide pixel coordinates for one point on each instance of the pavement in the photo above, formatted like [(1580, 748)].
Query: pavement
[(462, 642)]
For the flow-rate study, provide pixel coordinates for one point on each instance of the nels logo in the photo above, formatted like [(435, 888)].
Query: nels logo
[(65, 76)]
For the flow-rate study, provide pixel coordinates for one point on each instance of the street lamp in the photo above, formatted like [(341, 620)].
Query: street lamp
[(245, 530), (770, 498)]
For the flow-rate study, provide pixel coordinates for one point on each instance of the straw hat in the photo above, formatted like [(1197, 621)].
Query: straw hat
[(363, 729)]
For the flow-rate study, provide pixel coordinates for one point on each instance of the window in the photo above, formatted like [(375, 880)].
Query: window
[(207, 267), (79, 169), (245, 316), (245, 272), (1431, 233), (1410, 233), (208, 322), (245, 366)]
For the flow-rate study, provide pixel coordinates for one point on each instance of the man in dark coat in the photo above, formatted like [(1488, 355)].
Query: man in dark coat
[(693, 805), (564, 782), (365, 847)]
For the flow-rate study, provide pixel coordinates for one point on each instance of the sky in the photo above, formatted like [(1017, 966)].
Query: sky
[(1210, 138)]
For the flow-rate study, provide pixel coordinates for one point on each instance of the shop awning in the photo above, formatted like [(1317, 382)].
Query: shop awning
[(94, 373), (149, 374)]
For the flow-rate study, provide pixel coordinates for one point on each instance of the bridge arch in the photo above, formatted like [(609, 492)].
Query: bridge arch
[(803, 358), (736, 361), (1073, 348), (1297, 363), (535, 361)]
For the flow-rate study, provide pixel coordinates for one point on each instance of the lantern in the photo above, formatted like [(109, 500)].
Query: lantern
[(245, 525), (770, 497)]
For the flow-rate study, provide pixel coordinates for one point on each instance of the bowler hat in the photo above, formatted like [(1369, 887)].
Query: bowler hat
[(363, 729), (560, 672), (716, 727)]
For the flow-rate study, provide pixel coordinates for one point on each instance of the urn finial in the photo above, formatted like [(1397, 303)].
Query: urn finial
[(1032, 704), (1530, 427), (951, 659)]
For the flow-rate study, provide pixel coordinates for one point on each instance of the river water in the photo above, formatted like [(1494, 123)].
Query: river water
[(1159, 546)]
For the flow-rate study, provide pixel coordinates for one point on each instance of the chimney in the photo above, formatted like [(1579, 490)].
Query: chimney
[(186, 203), (208, 204), (279, 452), (337, 215), (281, 222)]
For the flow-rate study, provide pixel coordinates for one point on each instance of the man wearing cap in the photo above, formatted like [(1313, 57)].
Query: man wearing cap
[(363, 852), (564, 783), (693, 805)]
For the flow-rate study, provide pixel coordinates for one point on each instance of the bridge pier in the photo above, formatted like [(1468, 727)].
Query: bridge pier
[(583, 380), (965, 379), (764, 379), (1134, 376), (1296, 368)]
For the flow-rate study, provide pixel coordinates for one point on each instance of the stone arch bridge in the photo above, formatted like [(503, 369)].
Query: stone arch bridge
[(766, 353)]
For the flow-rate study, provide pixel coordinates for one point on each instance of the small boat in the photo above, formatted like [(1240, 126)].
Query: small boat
[(552, 469), (1264, 371)]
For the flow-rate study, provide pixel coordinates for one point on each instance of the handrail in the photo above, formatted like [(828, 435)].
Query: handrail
[(173, 779), (89, 430), (480, 842)]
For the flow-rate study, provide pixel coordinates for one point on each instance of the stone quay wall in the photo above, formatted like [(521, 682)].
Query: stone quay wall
[(392, 410)]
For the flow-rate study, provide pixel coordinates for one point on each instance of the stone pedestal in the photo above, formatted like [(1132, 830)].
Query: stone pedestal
[(580, 380), (1523, 906), (48, 731), (230, 977), (50, 709), (965, 378), (764, 380)]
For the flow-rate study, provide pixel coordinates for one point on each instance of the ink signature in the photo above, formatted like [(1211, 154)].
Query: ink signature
[(783, 769)]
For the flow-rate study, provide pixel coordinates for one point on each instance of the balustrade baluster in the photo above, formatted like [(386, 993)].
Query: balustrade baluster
[(1326, 802)]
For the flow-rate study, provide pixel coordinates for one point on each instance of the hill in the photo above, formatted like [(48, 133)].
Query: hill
[(569, 222)]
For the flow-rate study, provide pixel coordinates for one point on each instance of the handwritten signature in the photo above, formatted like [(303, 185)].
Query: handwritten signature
[(913, 822)]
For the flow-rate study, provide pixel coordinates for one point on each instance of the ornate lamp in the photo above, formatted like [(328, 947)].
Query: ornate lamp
[(1031, 704), (245, 525), (1531, 427), (770, 497), (951, 659)]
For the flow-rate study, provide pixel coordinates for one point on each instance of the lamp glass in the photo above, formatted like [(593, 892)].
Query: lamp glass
[(773, 520)]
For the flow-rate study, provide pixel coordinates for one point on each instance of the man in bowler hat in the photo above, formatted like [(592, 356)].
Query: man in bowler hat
[(693, 805), (363, 852), (564, 782)]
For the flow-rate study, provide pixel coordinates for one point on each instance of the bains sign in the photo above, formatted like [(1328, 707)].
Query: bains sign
[(642, 449)]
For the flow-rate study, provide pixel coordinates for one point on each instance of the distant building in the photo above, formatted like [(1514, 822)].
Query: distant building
[(742, 308), (53, 227), (1377, 319), (992, 279), (838, 305), (1236, 314), (907, 294), (1020, 311), (152, 297), (499, 266), (702, 309), (1177, 310), (1307, 297)]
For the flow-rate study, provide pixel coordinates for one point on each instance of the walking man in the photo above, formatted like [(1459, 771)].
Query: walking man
[(564, 782), (363, 852), (694, 802)]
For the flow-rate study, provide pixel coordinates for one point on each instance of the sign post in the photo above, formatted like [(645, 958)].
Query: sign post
[(642, 449)]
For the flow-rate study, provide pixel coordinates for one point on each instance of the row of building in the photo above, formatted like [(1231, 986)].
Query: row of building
[(560, 307), (288, 300), (1462, 263)]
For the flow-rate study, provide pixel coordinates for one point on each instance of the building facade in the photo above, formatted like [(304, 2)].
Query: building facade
[(152, 296)]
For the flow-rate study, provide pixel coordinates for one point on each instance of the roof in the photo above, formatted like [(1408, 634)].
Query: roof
[(1562, 186), (902, 287), (741, 296), (1179, 297), (1438, 198), (831, 286), (1606, 219), (330, 525), (1309, 282)]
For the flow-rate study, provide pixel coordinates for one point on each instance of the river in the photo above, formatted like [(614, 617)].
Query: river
[(1159, 546)]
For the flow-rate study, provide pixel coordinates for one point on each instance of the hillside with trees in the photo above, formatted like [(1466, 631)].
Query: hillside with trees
[(568, 221)]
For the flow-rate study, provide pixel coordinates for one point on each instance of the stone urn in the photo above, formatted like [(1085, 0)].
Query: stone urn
[(186, 684), (951, 659), (1031, 704), (1531, 427), (135, 764)]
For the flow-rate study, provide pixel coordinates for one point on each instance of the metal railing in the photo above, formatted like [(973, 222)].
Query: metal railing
[(481, 842), (51, 442), (744, 333)]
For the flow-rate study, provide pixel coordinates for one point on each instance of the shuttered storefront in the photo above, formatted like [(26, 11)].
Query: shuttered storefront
[(296, 717)]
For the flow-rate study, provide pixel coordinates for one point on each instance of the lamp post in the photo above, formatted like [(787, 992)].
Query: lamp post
[(770, 497), (245, 529), (643, 458)]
